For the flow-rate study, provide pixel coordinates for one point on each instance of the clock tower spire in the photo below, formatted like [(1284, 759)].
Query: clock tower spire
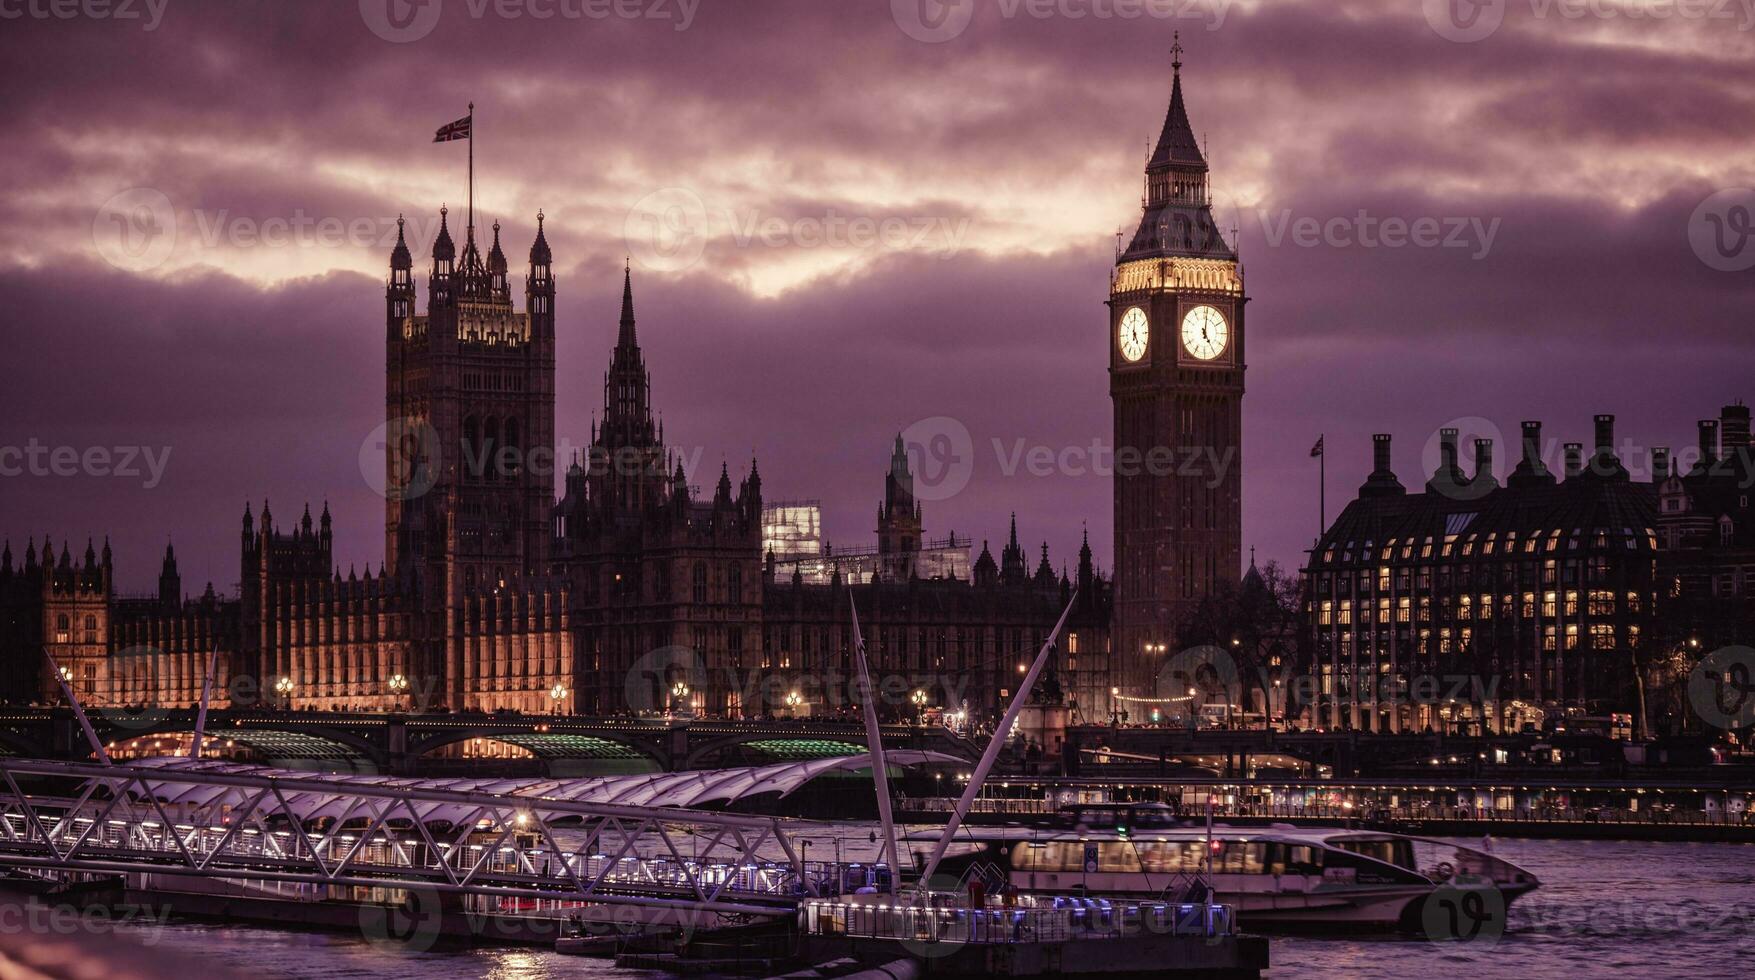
[(1176, 341)]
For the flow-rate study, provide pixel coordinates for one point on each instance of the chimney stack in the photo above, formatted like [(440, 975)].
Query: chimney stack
[(1484, 464), (1605, 435), (1531, 471), (1708, 442), (1382, 481), (1660, 464), (1574, 459), (1448, 478)]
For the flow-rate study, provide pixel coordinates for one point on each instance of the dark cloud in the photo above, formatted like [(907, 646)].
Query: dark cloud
[(1585, 145)]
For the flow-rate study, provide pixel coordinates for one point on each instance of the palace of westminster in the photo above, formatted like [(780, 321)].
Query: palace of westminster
[(632, 592)]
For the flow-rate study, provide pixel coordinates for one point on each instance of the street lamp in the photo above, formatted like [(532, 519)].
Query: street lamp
[(398, 685), (919, 700), (284, 687), (792, 703), (678, 692), (556, 695)]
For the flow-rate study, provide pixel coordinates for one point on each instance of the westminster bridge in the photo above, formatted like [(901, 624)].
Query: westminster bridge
[(406, 744)]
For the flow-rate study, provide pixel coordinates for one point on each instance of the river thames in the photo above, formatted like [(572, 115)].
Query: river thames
[(1605, 907)]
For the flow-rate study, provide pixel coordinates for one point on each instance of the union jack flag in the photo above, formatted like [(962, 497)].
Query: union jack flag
[(458, 130)]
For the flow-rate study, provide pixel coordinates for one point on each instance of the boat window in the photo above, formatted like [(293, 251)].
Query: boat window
[(1240, 857), (1174, 857)]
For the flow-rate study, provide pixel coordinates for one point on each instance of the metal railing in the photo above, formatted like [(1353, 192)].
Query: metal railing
[(116, 819)]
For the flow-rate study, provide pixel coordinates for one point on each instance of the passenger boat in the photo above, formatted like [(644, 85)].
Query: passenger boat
[(1275, 877)]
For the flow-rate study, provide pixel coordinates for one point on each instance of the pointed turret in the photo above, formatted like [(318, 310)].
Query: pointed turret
[(170, 584), (986, 570), (443, 249), (1178, 214), (399, 256), (625, 336), (539, 253)]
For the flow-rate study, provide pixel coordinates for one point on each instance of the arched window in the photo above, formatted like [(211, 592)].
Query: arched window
[(513, 463), (1726, 530), (63, 628), (490, 448), (472, 446), (700, 582), (734, 583), (91, 629)]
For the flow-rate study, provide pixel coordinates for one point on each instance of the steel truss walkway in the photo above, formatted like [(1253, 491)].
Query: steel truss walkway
[(251, 825)]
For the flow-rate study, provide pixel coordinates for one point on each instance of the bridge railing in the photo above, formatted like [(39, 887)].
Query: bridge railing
[(86, 818)]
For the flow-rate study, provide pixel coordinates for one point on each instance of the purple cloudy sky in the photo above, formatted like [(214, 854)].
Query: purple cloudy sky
[(998, 143)]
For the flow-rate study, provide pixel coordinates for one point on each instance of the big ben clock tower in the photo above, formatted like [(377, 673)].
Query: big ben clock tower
[(1176, 344)]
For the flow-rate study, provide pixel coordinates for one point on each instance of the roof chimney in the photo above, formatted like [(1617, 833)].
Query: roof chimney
[(1660, 464), (1531, 471), (1733, 429), (1708, 443), (1484, 464), (1448, 478), (1382, 481), (1605, 435), (1605, 463), (1574, 459)]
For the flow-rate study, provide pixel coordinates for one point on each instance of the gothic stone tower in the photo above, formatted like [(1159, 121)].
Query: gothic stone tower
[(899, 524), (470, 407), (469, 397), (1176, 360)]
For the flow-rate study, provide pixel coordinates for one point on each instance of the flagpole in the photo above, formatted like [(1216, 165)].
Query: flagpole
[(471, 139), (1321, 484)]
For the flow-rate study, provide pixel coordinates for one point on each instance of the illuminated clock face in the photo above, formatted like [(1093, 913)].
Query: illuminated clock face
[(1204, 332), (1132, 334)]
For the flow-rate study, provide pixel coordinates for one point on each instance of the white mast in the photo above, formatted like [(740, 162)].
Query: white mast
[(78, 712), (874, 737), (201, 716), (989, 757)]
